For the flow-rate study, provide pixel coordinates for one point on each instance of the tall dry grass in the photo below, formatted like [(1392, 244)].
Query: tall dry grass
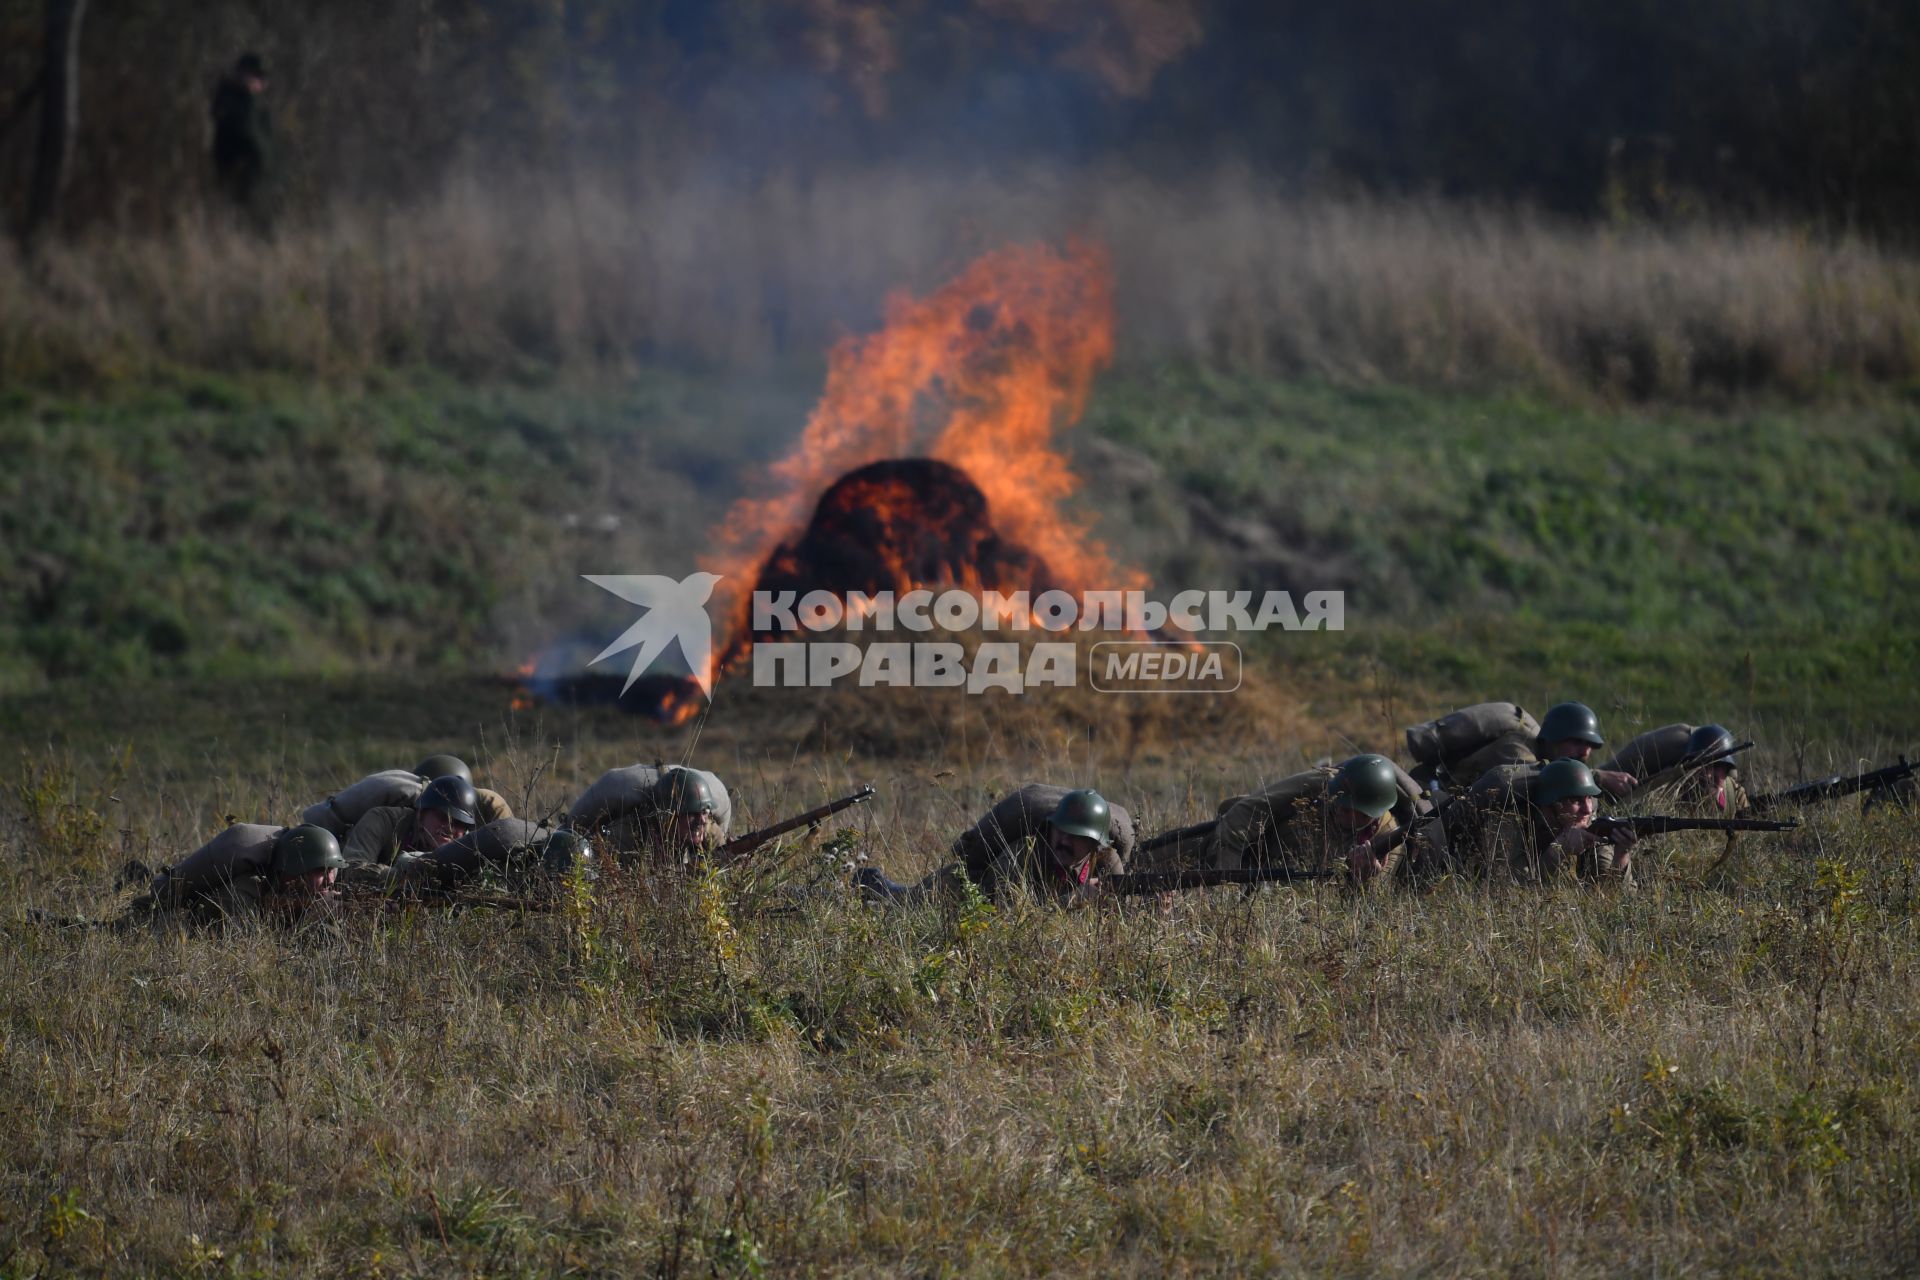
[(674, 1080), (1226, 271)]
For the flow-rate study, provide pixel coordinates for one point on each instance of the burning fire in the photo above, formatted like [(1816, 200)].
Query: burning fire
[(978, 375), (930, 462)]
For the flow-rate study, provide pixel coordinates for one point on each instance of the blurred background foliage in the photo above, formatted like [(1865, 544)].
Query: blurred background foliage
[(1618, 108)]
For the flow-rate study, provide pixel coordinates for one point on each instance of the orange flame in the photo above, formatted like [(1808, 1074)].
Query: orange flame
[(980, 374)]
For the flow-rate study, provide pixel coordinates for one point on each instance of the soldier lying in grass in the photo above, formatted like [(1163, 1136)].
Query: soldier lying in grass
[(248, 871), (667, 815), (1056, 843)]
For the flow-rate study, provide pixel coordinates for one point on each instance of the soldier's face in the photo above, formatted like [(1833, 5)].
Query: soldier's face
[(1574, 811), (692, 830), (297, 891), (441, 827), (1350, 821), (1570, 749), (1070, 850)]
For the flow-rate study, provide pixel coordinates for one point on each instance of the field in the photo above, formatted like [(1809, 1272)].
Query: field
[(681, 1079), (280, 513)]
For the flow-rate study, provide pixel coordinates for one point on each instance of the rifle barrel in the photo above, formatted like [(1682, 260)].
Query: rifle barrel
[(1658, 823), (754, 839)]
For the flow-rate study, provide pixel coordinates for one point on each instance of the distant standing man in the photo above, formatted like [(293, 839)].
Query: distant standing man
[(243, 134)]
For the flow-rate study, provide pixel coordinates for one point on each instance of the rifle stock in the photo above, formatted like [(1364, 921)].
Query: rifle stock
[(741, 846)]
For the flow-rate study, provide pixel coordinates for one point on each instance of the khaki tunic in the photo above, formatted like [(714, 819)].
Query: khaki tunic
[(1494, 831), (1287, 825), (390, 788), (620, 802), (1008, 845), (228, 876), (491, 845), (384, 834)]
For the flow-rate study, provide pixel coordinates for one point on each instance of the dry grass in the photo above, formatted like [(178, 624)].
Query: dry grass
[(1223, 271), (675, 1081)]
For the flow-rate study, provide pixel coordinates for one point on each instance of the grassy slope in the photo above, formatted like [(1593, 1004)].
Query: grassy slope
[(1659, 561)]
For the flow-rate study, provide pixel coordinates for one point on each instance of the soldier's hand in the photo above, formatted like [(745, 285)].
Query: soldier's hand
[(1363, 863), (1577, 840), (1615, 782), (1624, 838)]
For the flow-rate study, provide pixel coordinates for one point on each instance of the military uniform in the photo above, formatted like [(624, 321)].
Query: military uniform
[(1659, 759), (389, 788), (620, 806), (492, 845), (1008, 845), (1495, 831), (1287, 824), (228, 877), (384, 834)]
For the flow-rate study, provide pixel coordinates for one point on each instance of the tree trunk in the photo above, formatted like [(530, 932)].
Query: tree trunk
[(59, 115)]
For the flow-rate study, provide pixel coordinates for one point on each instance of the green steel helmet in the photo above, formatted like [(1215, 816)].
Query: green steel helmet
[(1710, 744), (683, 792), (454, 796), (565, 852), (1082, 813), (1561, 779), (1571, 720), (298, 850), (443, 766), (1369, 784)]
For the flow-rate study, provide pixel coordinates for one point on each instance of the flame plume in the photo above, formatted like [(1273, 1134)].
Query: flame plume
[(979, 374)]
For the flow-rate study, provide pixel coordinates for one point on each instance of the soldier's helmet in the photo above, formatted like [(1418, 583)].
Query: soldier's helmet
[(298, 850), (1561, 780), (1571, 720), (452, 795), (1368, 784), (565, 853), (683, 793), (1082, 813), (443, 766), (1710, 744)]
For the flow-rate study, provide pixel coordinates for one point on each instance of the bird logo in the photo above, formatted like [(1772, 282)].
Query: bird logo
[(674, 611)]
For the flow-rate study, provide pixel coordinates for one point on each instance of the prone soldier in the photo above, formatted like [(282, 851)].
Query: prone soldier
[(1535, 830), (250, 870), (446, 809), (1462, 747), (1056, 842), (672, 813), (1322, 819), (1684, 767), (398, 788)]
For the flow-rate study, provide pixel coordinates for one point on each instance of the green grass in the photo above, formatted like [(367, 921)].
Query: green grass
[(1760, 560)]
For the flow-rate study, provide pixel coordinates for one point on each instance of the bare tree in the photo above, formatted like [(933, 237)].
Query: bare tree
[(59, 114)]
